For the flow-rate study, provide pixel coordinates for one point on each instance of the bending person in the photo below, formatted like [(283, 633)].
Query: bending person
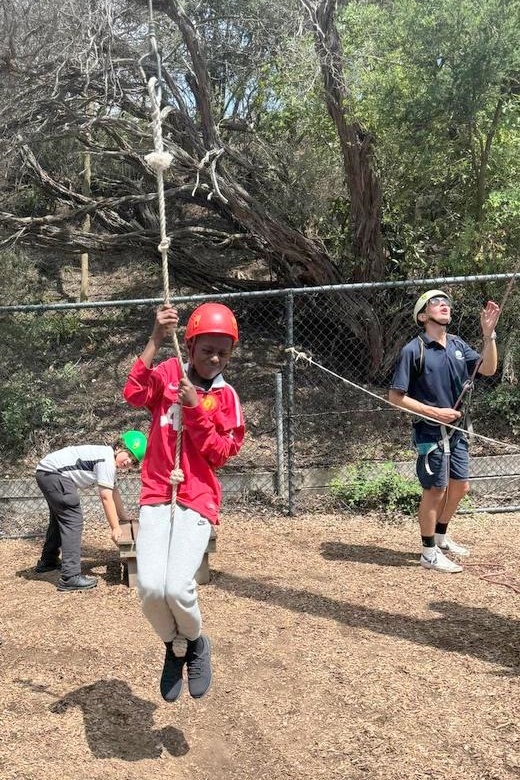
[(60, 477)]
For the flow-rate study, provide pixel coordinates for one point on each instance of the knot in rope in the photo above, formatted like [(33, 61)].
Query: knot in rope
[(164, 245), (299, 355), (159, 161)]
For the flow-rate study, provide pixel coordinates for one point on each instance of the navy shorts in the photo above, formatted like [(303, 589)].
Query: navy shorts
[(443, 466)]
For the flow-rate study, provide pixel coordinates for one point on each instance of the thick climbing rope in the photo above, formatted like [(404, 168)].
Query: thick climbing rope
[(308, 359), (160, 160)]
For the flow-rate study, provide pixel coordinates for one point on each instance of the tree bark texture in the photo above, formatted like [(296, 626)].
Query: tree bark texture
[(357, 145)]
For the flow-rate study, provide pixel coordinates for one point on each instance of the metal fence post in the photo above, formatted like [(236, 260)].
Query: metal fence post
[(289, 368), (278, 411)]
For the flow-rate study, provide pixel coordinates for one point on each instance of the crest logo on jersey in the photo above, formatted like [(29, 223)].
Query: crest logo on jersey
[(209, 403), (459, 355)]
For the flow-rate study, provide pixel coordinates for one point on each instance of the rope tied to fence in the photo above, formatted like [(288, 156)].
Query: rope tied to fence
[(303, 356)]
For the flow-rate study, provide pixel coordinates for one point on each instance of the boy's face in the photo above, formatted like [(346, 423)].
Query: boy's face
[(124, 460), (210, 354)]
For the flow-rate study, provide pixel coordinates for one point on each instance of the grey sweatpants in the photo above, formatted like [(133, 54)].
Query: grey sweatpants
[(168, 556)]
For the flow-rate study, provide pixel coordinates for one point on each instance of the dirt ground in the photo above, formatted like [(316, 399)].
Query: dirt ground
[(335, 656)]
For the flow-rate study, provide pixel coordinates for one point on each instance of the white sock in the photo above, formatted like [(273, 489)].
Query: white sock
[(428, 552), (440, 540), (179, 646)]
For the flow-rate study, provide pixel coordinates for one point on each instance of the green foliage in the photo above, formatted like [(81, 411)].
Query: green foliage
[(377, 486), (434, 82), (504, 403), (55, 329), (23, 410)]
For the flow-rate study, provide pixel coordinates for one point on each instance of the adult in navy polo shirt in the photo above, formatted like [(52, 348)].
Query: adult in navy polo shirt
[(429, 377)]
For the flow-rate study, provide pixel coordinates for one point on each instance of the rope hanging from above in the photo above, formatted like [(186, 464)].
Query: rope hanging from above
[(160, 160)]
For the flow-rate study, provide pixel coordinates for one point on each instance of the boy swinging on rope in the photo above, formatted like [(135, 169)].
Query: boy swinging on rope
[(170, 545), (430, 376)]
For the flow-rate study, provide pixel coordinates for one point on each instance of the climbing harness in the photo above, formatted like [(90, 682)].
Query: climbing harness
[(462, 404)]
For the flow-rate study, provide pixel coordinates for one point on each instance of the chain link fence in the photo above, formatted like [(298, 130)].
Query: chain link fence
[(350, 447), (63, 367)]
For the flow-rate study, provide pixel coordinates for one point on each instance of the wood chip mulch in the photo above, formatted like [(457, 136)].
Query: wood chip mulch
[(335, 656)]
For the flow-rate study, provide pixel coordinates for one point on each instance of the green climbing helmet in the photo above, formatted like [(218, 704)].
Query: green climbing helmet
[(135, 443)]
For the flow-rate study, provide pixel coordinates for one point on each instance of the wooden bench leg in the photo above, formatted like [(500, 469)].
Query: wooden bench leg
[(202, 575), (131, 568)]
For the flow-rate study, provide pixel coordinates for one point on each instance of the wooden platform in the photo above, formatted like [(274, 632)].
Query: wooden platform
[(126, 546)]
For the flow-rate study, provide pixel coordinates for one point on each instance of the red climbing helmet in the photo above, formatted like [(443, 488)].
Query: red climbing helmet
[(212, 318)]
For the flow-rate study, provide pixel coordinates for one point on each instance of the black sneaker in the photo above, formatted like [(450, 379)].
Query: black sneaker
[(44, 566), (198, 659), (77, 582), (171, 677)]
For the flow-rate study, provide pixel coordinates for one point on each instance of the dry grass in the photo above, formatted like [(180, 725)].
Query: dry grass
[(335, 656)]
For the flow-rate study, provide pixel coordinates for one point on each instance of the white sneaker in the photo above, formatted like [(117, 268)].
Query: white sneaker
[(452, 547), (439, 562)]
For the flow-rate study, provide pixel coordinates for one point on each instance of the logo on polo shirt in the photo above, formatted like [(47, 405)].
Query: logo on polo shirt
[(459, 355)]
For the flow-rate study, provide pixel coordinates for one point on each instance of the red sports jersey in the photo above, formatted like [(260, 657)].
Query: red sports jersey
[(213, 431)]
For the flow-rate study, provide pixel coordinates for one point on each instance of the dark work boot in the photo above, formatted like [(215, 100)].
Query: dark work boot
[(198, 659), (76, 582), (42, 567), (171, 678)]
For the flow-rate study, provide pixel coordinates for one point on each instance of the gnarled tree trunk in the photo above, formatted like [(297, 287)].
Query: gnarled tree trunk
[(357, 145)]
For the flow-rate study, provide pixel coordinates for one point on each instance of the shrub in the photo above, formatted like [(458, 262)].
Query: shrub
[(503, 402), (23, 411), (54, 329), (377, 486)]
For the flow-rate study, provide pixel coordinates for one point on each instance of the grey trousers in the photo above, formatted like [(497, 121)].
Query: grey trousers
[(65, 522), (168, 556)]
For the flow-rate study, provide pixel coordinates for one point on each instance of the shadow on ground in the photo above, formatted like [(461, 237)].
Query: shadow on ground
[(362, 553), (118, 724), (101, 563), (472, 631)]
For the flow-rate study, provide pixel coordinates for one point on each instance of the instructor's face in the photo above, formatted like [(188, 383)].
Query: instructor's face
[(439, 310), (124, 460)]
